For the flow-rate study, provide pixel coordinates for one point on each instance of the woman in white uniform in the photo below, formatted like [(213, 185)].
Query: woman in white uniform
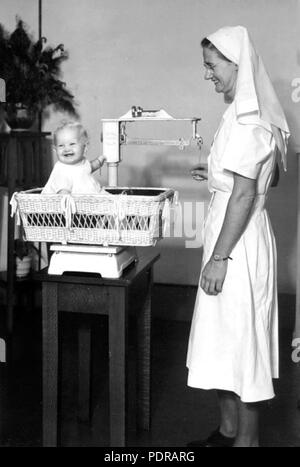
[(233, 345)]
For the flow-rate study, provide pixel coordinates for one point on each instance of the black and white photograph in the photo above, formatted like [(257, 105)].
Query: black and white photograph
[(150, 226)]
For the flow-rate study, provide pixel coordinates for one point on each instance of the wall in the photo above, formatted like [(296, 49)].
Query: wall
[(27, 10), (126, 52)]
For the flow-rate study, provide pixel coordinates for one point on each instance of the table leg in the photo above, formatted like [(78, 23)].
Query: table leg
[(11, 157), (296, 333), (118, 310), (144, 358), (50, 364), (84, 372)]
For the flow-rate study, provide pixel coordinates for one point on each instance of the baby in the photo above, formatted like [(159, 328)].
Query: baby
[(72, 173)]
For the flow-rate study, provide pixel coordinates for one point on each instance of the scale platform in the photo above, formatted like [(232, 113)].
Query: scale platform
[(109, 262)]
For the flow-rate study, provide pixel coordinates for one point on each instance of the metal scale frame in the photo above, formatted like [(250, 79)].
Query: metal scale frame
[(111, 261)]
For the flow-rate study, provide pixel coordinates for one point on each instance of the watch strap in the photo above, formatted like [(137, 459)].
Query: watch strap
[(217, 257)]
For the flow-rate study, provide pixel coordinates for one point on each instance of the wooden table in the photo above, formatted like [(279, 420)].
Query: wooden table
[(297, 313), (85, 293)]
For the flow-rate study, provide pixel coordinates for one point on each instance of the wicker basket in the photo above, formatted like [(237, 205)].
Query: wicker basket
[(119, 216)]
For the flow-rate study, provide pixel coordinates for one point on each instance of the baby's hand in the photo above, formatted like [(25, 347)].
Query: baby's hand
[(97, 163), (102, 159)]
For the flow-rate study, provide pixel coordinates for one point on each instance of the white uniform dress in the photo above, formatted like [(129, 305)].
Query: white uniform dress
[(233, 342), (75, 178)]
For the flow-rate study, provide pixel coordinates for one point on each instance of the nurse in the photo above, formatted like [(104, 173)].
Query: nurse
[(233, 344)]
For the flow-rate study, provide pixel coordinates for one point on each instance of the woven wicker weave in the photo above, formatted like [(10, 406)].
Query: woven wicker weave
[(119, 216)]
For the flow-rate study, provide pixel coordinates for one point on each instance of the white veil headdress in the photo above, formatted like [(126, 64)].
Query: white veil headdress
[(254, 94)]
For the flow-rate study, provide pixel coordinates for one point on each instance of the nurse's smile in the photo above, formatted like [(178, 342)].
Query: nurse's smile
[(221, 72)]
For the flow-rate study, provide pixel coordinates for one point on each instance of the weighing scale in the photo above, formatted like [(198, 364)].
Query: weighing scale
[(110, 261)]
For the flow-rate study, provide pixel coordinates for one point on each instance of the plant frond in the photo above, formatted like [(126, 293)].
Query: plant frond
[(32, 70)]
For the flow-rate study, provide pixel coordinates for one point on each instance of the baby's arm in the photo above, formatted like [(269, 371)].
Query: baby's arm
[(97, 163)]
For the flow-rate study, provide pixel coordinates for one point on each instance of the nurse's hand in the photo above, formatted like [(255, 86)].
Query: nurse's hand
[(200, 172), (213, 276)]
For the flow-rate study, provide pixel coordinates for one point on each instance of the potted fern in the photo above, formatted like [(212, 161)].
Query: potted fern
[(32, 72)]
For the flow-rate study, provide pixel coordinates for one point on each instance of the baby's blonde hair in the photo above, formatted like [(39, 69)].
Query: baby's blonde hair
[(71, 124)]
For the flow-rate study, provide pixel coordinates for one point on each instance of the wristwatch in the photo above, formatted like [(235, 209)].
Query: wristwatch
[(220, 258)]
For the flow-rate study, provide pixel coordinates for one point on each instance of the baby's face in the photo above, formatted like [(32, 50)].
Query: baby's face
[(70, 149)]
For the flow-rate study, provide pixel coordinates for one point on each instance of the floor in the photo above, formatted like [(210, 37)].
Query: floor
[(179, 413)]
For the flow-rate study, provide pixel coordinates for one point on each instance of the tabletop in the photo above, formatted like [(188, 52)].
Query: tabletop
[(144, 262)]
